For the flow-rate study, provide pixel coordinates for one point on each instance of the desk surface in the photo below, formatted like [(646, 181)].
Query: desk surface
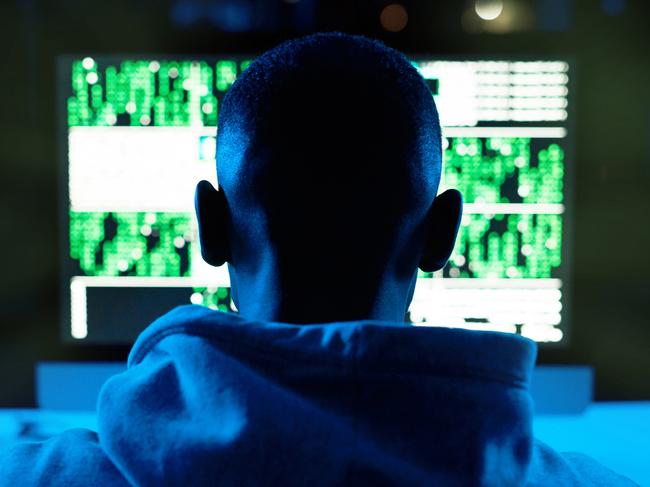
[(615, 434)]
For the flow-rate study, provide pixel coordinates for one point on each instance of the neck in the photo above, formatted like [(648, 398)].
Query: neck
[(317, 301), (266, 292)]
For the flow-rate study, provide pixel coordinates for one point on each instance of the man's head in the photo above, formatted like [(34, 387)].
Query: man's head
[(328, 162)]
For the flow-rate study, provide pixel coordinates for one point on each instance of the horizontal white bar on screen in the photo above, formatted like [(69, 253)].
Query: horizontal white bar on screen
[(218, 279), (536, 132), (513, 208), (493, 283)]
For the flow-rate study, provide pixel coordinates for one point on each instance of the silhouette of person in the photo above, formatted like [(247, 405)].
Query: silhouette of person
[(328, 162), (328, 167)]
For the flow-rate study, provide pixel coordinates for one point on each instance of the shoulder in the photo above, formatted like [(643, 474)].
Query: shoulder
[(183, 321), (549, 467), (73, 458)]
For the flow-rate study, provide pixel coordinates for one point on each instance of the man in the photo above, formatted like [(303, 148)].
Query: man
[(328, 161)]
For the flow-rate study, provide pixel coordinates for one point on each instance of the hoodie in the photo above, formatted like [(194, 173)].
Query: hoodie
[(209, 398)]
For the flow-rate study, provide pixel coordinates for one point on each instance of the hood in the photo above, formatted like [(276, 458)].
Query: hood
[(210, 397)]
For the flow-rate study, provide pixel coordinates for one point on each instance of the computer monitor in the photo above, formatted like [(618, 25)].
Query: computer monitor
[(139, 132)]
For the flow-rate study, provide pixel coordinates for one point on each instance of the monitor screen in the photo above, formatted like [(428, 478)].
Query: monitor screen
[(139, 133)]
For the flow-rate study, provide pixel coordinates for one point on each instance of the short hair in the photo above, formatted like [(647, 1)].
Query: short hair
[(325, 82), (331, 116)]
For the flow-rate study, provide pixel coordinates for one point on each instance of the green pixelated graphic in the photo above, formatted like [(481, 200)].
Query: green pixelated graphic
[(215, 298), (244, 65), (148, 93), (507, 246), (504, 170), (226, 74), (131, 244)]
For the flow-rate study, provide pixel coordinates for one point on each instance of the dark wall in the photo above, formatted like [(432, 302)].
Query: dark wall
[(611, 324)]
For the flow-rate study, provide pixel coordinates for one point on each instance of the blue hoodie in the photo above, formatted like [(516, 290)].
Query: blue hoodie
[(210, 398)]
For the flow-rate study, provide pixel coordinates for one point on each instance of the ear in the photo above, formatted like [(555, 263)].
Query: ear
[(212, 216), (441, 228)]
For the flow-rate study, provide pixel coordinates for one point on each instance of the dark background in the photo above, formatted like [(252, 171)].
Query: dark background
[(609, 41)]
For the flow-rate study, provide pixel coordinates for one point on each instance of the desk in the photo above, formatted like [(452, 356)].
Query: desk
[(615, 434)]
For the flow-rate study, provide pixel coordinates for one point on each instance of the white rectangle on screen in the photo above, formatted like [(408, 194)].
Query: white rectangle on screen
[(139, 168)]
